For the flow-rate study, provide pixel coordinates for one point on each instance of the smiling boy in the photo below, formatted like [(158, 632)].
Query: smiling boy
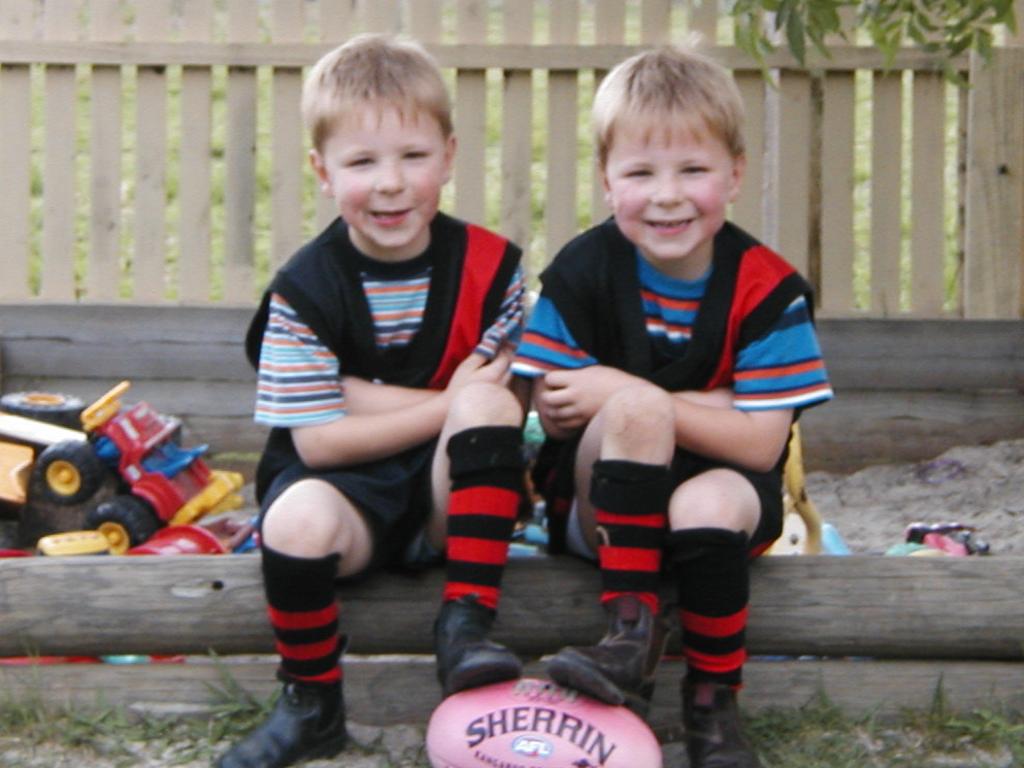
[(670, 353), (383, 352)]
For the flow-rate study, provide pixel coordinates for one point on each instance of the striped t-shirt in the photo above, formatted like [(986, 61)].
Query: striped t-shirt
[(781, 369), (298, 382)]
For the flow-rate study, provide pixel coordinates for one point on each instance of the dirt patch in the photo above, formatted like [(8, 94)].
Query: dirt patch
[(980, 486)]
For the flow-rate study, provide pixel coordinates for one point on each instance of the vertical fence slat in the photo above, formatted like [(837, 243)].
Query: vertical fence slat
[(655, 21), (58, 245), (15, 156), (747, 210), (336, 25), (286, 139), (382, 16), (928, 206), (994, 240), (152, 24), (563, 95), (470, 118), (704, 20), (425, 20), (610, 28), (516, 132), (240, 158), (789, 230), (837, 178), (195, 183), (886, 207), (337, 20), (105, 191)]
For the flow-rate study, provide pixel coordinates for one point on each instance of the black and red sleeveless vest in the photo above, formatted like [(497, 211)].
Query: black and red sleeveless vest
[(593, 283), (471, 268)]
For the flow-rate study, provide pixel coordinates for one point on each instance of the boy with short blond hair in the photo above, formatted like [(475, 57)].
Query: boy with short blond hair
[(670, 353), (383, 349)]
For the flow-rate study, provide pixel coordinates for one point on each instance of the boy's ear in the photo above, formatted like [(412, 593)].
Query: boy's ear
[(316, 160), (450, 145), (739, 167)]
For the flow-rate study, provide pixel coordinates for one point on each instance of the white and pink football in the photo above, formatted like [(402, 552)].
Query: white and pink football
[(531, 723)]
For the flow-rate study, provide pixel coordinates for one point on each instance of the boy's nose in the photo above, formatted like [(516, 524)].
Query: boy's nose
[(667, 191), (390, 178)]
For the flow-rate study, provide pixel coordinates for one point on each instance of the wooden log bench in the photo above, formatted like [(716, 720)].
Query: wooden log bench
[(873, 634)]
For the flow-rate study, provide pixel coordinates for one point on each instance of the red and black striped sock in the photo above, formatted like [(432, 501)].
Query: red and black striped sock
[(630, 503), (304, 615), (711, 565), (487, 484)]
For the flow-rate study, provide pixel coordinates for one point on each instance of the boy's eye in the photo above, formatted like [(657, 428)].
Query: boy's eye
[(694, 169), (416, 154), (359, 161), (637, 173)]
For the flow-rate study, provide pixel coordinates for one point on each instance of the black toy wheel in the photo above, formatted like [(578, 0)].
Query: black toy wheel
[(126, 521), (51, 407), (67, 473)]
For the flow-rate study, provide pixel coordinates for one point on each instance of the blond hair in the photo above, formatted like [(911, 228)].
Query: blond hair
[(667, 88), (373, 70)]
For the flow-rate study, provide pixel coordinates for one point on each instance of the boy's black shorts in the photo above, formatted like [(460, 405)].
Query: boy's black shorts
[(768, 486), (393, 495)]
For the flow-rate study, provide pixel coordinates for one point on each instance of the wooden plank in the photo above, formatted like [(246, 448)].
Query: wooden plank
[(799, 605), (789, 233), (517, 134), (928, 198), (337, 22), (195, 181), (837, 195), (861, 428), (886, 201), (704, 20), (655, 21), (563, 94), (104, 270), (149, 268), (994, 267), (206, 344), (287, 142), (748, 210), (471, 119), (15, 157), (240, 159), (470, 55), (382, 691), (383, 16), (609, 29), (58, 237)]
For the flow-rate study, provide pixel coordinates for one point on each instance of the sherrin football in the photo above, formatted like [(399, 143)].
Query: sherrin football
[(531, 723)]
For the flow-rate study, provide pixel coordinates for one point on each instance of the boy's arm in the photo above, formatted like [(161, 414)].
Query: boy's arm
[(751, 439), (365, 397), (375, 433)]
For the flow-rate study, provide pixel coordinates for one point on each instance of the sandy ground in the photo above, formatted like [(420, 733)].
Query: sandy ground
[(980, 486)]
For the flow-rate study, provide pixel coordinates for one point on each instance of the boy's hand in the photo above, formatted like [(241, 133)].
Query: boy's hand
[(477, 368), (570, 399)]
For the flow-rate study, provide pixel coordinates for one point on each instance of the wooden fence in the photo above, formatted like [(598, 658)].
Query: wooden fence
[(152, 152)]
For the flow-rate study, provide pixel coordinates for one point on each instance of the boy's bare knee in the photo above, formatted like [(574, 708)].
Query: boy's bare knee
[(716, 499), (481, 404), (638, 424), (312, 519)]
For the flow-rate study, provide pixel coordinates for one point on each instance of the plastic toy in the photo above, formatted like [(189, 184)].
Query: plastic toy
[(168, 484), (532, 722), (126, 475)]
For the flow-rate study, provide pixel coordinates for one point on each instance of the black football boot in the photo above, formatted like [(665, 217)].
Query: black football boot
[(465, 657), (620, 668), (308, 721), (712, 721)]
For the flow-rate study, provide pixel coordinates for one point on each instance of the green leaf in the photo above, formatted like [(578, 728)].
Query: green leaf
[(795, 37)]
